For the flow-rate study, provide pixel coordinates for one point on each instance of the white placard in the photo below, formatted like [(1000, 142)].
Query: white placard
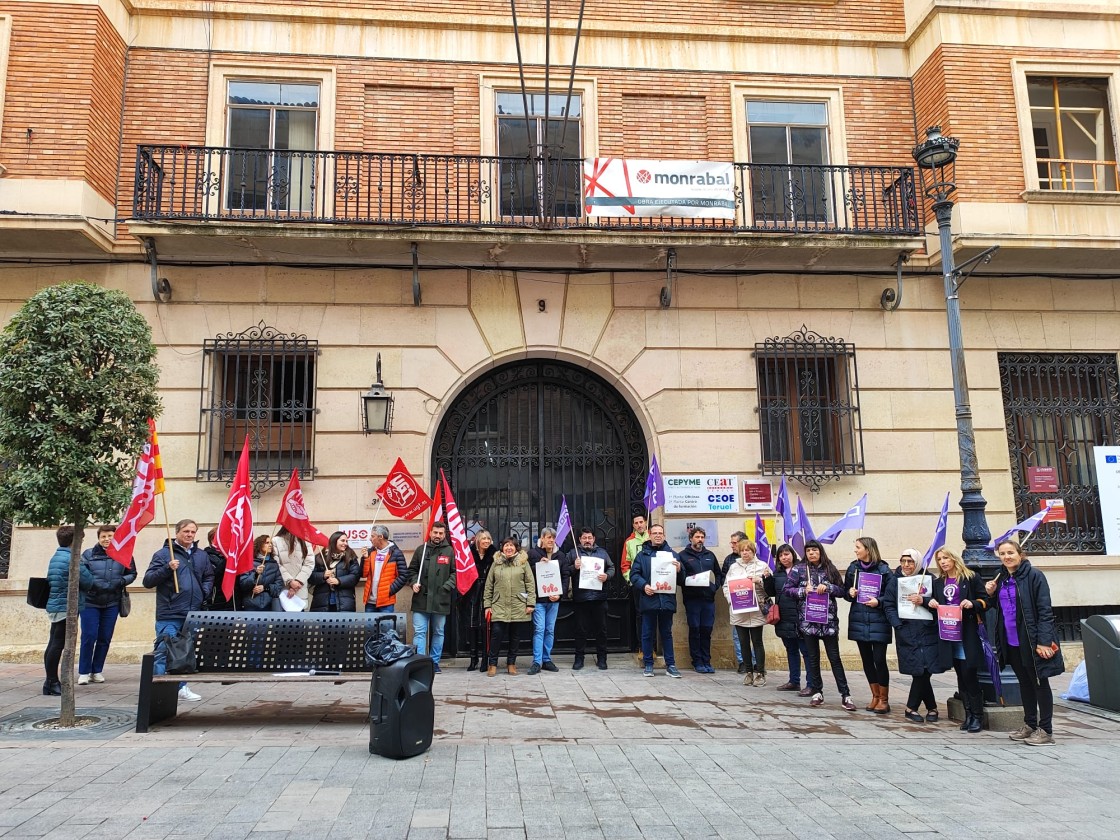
[(1107, 459), (663, 573), (357, 536), (548, 578), (698, 579), (701, 494), (589, 570), (908, 586)]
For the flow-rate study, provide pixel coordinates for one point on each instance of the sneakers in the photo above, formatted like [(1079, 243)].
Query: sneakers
[(818, 700), (847, 703), (672, 671), (185, 693), (549, 666), (806, 692), (436, 668), (708, 669), (1040, 738), (789, 686), (83, 679), (759, 680), (748, 678), (578, 664), (96, 678), (601, 664), (534, 669), (1022, 733), (647, 671)]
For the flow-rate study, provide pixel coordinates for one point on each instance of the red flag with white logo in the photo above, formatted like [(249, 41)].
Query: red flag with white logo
[(465, 571), (142, 509), (437, 510), (235, 529), (293, 514), (401, 495)]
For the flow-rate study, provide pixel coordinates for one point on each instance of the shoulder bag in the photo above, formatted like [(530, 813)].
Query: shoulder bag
[(125, 605), (38, 592)]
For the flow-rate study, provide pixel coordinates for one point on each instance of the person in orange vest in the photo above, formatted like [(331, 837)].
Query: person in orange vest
[(385, 571)]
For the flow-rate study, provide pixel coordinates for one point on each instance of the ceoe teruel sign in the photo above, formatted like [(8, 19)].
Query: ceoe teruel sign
[(701, 494), (695, 189)]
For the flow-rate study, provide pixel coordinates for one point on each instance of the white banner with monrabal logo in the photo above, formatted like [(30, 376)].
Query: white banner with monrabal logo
[(621, 187)]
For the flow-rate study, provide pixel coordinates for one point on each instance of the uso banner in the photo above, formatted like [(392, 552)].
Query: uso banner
[(620, 187)]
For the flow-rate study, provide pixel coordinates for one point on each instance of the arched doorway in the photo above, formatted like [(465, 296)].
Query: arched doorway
[(524, 434)]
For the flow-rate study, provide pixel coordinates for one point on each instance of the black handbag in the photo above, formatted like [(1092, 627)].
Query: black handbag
[(38, 592), (124, 606), (180, 654)]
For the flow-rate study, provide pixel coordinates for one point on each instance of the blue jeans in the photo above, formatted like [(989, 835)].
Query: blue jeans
[(98, 624), (544, 630), (421, 621), (165, 628), (370, 608), (795, 650), (657, 621)]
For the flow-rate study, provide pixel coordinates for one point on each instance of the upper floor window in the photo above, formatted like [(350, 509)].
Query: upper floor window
[(1071, 128), (808, 405), (261, 385), (788, 147), (540, 139), (271, 128)]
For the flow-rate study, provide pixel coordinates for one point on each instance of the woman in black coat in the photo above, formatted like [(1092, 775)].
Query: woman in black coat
[(472, 621), (786, 628), (1027, 639), (335, 576), (916, 643), (871, 620), (260, 587), (959, 585)]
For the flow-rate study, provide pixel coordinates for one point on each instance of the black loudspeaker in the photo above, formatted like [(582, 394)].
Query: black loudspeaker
[(402, 710)]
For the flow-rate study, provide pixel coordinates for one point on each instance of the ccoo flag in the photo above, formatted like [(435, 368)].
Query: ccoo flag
[(852, 520), (762, 543), (939, 533), (563, 522), (655, 487), (1030, 525), (783, 506)]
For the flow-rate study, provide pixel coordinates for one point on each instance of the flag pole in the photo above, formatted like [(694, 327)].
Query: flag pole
[(170, 543)]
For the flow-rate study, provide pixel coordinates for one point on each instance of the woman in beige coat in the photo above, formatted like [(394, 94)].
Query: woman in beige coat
[(509, 598), (749, 625)]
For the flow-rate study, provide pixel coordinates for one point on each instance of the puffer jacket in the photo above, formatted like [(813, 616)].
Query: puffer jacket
[(58, 576), (196, 580), (642, 572), (217, 599), (872, 624), (270, 579), (806, 575), (763, 590), (1034, 618), (697, 561), (510, 588), (786, 628), (109, 577), (348, 570), (916, 640)]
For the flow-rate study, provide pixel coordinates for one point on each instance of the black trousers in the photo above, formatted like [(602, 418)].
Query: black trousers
[(813, 663), (1038, 697), (921, 691), (968, 686), (53, 654), (874, 656), (591, 617), (751, 644), (505, 632)]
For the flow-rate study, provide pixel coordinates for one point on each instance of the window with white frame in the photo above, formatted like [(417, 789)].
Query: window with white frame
[(788, 148), (1071, 129), (540, 142)]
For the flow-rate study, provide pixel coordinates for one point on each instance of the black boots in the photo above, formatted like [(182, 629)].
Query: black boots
[(473, 666), (52, 688), (973, 722), (578, 664)]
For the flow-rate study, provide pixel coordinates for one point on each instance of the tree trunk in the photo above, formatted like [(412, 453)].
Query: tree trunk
[(66, 671)]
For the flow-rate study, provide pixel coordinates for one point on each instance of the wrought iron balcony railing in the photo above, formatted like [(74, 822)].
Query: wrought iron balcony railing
[(206, 183)]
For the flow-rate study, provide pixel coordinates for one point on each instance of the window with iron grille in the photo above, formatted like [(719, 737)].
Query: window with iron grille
[(1057, 407), (260, 383), (808, 405)]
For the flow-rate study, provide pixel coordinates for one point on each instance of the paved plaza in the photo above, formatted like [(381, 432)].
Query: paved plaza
[(583, 755)]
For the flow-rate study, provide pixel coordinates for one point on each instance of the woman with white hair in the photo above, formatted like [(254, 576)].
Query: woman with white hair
[(916, 641)]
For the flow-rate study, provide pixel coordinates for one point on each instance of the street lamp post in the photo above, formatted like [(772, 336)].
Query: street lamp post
[(936, 155)]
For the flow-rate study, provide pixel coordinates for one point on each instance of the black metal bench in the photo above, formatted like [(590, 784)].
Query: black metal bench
[(233, 647)]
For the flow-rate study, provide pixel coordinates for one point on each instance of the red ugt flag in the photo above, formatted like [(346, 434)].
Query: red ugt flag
[(465, 571), (401, 495), (140, 512), (293, 514), (437, 509), (235, 530)]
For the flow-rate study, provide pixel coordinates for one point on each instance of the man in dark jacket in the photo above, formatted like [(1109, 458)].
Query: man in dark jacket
[(183, 561), (700, 599), (217, 599), (58, 576), (432, 572), (656, 608), (590, 604)]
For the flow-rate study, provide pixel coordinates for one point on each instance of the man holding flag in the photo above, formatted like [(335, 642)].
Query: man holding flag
[(432, 574)]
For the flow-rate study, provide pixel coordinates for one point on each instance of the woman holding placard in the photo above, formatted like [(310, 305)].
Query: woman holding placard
[(871, 588), (748, 584), (957, 596), (916, 637), (509, 598), (786, 628), (816, 584)]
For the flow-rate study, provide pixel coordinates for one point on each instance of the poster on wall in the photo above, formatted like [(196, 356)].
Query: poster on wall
[(676, 531), (1107, 459), (758, 494), (357, 536), (701, 494)]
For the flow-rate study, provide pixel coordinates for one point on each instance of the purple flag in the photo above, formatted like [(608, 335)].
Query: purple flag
[(563, 522), (852, 520), (1030, 525), (804, 530), (938, 534), (782, 506), (761, 542), (655, 487)]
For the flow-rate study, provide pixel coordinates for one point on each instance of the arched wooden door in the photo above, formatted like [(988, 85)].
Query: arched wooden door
[(527, 433)]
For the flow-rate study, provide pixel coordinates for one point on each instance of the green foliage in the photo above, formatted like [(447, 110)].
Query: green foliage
[(78, 383)]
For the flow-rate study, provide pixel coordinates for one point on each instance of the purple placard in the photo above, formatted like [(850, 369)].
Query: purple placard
[(868, 586), (949, 623), (816, 608), (742, 595)]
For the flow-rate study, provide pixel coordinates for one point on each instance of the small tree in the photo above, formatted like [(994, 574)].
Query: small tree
[(78, 383)]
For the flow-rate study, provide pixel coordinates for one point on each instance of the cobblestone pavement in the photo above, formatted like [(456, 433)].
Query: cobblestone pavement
[(581, 755)]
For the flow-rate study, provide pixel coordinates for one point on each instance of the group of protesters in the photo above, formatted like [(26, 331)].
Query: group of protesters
[(520, 588)]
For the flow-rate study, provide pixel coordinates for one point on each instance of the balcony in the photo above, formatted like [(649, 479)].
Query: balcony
[(265, 194)]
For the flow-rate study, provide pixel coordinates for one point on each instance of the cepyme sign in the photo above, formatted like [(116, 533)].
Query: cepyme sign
[(620, 187)]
